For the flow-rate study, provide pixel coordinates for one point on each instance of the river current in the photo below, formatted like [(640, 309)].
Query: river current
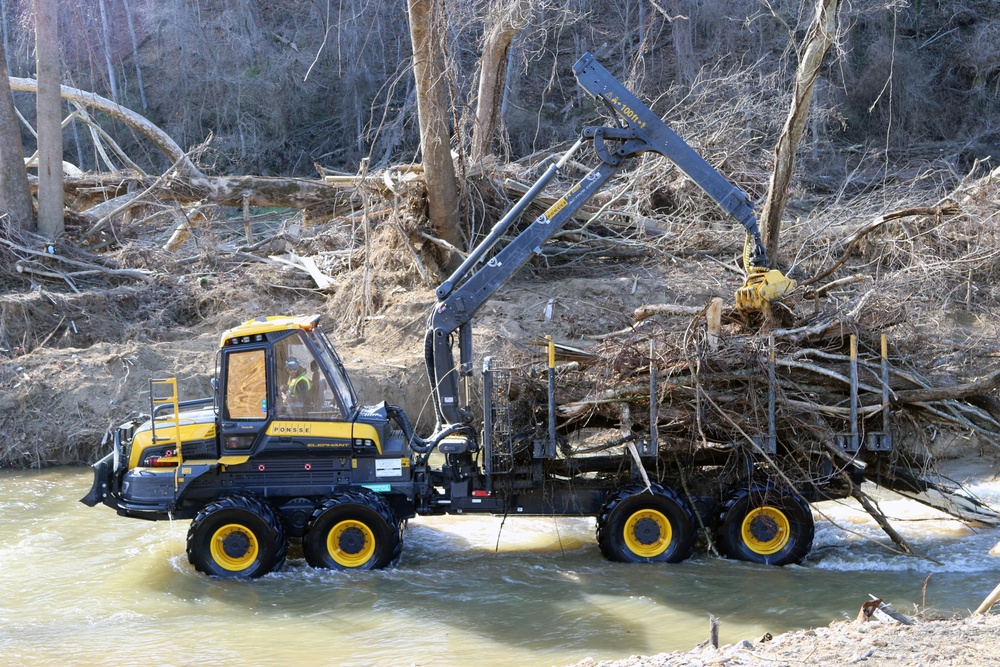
[(81, 586)]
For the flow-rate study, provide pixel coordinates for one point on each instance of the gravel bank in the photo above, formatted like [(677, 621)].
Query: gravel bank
[(968, 642)]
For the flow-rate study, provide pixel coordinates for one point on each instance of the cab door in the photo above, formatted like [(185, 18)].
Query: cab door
[(244, 405)]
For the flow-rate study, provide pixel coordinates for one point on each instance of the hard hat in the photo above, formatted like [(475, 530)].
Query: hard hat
[(292, 363)]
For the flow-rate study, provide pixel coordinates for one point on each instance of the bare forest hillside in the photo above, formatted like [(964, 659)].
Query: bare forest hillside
[(281, 85), (891, 225)]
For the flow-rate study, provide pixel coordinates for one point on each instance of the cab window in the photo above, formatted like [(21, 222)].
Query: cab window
[(246, 386), (303, 390)]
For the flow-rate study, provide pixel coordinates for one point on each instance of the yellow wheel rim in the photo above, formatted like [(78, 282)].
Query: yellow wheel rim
[(351, 543), (648, 533), (234, 547), (766, 530)]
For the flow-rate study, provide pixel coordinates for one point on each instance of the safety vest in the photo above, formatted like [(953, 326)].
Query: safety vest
[(293, 386)]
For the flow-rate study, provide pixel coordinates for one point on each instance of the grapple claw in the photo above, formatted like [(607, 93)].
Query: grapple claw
[(762, 288)]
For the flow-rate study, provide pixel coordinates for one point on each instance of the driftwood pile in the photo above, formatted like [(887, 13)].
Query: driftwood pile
[(781, 396), (712, 388)]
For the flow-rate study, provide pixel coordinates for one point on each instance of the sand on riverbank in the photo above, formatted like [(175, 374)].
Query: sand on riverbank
[(960, 642)]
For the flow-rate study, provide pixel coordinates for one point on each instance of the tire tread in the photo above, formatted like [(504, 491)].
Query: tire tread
[(245, 503), (606, 540), (791, 503), (369, 500)]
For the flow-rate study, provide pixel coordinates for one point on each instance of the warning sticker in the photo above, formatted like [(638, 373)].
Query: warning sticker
[(388, 468)]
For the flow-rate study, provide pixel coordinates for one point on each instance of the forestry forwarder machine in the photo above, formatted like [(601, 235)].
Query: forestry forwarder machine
[(285, 450)]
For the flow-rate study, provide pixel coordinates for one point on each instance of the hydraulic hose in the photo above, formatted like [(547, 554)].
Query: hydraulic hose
[(431, 374), (754, 256), (417, 444)]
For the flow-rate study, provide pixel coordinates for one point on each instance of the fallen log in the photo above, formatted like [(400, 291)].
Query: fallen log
[(875, 513), (189, 184), (956, 392), (140, 274), (643, 312), (158, 137)]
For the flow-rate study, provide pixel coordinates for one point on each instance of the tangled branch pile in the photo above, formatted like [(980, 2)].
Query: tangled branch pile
[(915, 275), (719, 397)]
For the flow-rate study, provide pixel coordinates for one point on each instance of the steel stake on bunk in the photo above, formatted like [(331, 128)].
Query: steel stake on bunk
[(772, 381), (654, 407), (855, 444), (881, 441), (885, 384), (550, 447), (488, 422)]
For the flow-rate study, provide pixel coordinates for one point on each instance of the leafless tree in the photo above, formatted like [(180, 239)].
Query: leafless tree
[(504, 20), (49, 123), (819, 38), (15, 199), (106, 39), (427, 24), (135, 53), (681, 19)]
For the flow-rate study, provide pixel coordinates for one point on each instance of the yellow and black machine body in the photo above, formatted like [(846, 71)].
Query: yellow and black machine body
[(283, 440), (285, 450)]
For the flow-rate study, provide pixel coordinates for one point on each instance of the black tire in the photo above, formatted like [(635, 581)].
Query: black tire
[(237, 537), (766, 525), (353, 530), (640, 526)]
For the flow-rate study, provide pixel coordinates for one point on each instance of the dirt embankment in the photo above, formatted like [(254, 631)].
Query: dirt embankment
[(58, 399)]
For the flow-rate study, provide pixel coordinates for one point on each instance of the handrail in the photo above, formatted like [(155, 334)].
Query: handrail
[(183, 404), (156, 402)]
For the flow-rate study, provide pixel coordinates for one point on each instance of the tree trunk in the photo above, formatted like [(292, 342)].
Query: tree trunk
[(678, 15), (503, 22), (305, 193), (680, 30), (106, 35), (135, 53), (49, 123), (818, 40), (427, 22), (15, 199)]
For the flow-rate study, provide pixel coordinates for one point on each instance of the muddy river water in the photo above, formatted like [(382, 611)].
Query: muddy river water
[(81, 586)]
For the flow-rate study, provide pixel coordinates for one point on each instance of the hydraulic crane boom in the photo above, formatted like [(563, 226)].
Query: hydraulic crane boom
[(659, 138), (639, 131)]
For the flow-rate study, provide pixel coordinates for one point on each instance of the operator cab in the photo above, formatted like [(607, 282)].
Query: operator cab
[(279, 369)]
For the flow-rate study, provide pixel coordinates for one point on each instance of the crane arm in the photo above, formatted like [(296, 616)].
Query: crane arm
[(597, 81), (639, 130)]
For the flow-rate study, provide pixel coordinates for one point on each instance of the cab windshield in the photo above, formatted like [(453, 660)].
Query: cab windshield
[(338, 375)]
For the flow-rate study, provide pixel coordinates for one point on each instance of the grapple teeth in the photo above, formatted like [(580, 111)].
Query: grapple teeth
[(762, 288)]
